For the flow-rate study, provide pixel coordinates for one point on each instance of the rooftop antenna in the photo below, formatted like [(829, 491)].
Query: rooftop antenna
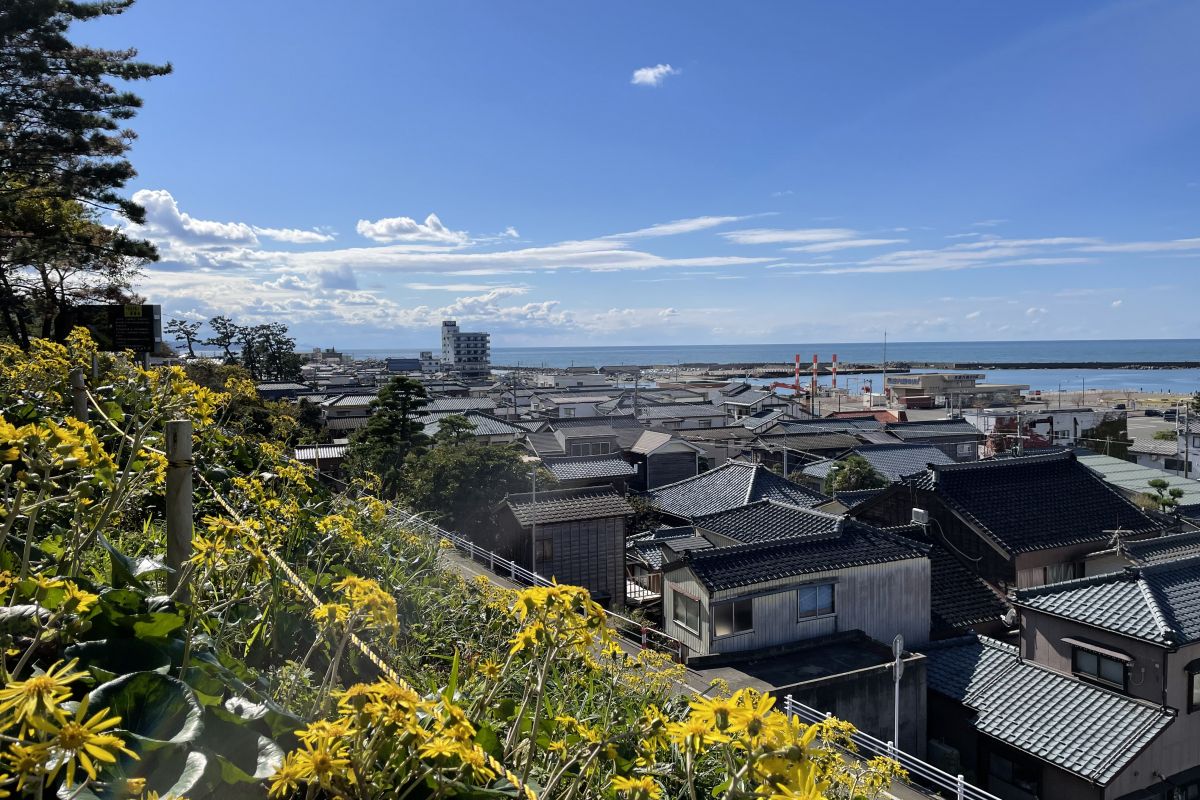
[(885, 394)]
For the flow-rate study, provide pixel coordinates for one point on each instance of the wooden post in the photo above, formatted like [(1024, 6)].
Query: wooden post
[(179, 501), (79, 399)]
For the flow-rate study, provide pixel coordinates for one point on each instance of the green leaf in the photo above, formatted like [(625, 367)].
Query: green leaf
[(22, 618), (245, 754), (108, 658), (489, 741), (158, 626), (172, 772), (156, 709), (124, 569)]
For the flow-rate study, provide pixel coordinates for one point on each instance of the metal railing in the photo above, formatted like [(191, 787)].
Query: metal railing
[(631, 629), (921, 774)]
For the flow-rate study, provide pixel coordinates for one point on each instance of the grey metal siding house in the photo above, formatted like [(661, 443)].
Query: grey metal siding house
[(787, 587), (660, 459), (580, 538)]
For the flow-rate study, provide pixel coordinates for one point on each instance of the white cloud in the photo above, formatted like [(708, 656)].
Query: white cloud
[(653, 76), (843, 244), (1034, 311), (988, 223), (795, 236), (511, 233), (1145, 247), (676, 227), (449, 287), (164, 219), (1117, 303), (973, 315), (295, 235), (782, 193), (407, 229)]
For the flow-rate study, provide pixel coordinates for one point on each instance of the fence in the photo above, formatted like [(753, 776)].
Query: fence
[(629, 628), (921, 774)]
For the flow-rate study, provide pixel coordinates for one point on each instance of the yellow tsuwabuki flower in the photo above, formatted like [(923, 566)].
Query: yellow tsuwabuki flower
[(83, 741), (23, 702), (641, 788)]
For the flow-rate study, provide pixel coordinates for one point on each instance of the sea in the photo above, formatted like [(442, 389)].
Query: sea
[(1130, 351)]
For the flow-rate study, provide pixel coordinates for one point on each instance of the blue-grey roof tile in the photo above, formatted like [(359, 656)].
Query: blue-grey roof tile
[(734, 483), (586, 467), (1082, 728)]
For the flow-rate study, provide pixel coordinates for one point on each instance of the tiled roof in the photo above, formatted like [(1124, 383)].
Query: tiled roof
[(458, 404), (848, 543), (1064, 721), (346, 423), (734, 483), (281, 387), (809, 442), (568, 505), (577, 398), (609, 420), (747, 398), (1174, 547), (587, 467), (1034, 502), (1158, 603), (315, 452), (850, 499), (1155, 447), (723, 433), (958, 598), (892, 461), (483, 424), (349, 400), (648, 547), (545, 444), (680, 411), (763, 419), (1135, 478), (768, 520), (831, 424), (932, 428)]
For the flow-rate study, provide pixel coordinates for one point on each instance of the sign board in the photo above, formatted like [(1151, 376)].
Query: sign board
[(898, 652), (117, 328)]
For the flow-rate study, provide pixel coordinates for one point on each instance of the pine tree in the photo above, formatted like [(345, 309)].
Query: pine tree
[(392, 432), (185, 332)]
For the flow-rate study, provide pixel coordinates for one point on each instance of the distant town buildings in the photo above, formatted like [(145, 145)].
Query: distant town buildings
[(466, 355)]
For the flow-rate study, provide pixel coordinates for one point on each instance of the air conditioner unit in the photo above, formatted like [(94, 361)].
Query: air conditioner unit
[(920, 516)]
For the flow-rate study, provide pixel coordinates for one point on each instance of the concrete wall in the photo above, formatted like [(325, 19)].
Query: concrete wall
[(866, 698)]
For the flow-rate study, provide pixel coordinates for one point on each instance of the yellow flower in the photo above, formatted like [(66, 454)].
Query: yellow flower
[(490, 669), (287, 778), (719, 712), (82, 739), (77, 600), (28, 761), (39, 696), (323, 763), (642, 788)]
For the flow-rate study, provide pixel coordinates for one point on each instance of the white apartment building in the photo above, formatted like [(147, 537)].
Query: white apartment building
[(467, 355)]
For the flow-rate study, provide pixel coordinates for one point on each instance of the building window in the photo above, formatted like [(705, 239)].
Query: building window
[(704, 423), (567, 411), (1089, 664), (966, 449), (685, 611), (544, 553), (816, 601), (1057, 573), (1193, 687), (731, 618)]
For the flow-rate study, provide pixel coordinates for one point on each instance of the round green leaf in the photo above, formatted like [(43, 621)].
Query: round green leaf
[(154, 708), (173, 772), (245, 754), (108, 658)]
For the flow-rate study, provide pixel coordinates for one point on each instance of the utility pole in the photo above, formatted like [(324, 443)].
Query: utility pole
[(884, 386), (533, 532)]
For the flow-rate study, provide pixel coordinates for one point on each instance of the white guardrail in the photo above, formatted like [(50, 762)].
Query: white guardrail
[(920, 773), (631, 629)]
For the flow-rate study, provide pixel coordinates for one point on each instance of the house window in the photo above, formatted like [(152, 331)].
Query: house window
[(704, 423), (685, 611), (731, 618), (1193, 687), (966, 449), (816, 601), (1057, 573), (544, 552), (1089, 664), (567, 411)]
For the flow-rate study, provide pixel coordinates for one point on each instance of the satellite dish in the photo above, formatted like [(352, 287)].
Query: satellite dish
[(1009, 617)]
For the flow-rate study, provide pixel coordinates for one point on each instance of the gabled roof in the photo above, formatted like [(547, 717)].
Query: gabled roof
[(357, 400), (567, 505), (1158, 603), (848, 543), (680, 411), (608, 420), (1174, 547), (648, 547), (458, 404), (852, 498), (747, 398), (930, 429), (892, 461), (1155, 447), (319, 452), (650, 441), (808, 442), (827, 424), (958, 598), (588, 467), (1034, 502), (482, 424), (1079, 727), (763, 419), (287, 386), (734, 483), (768, 520)]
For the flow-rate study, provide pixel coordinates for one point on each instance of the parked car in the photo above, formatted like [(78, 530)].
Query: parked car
[(1119, 406), (1153, 412), (1170, 414)]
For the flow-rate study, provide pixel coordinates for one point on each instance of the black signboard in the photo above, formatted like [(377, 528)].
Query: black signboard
[(117, 328)]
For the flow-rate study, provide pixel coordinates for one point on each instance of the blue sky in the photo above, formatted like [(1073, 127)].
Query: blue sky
[(642, 173)]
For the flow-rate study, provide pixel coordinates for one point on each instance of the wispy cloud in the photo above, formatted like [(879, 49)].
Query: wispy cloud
[(790, 236), (450, 287), (989, 223), (1145, 247), (973, 315), (653, 76), (843, 244), (676, 227), (295, 235)]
